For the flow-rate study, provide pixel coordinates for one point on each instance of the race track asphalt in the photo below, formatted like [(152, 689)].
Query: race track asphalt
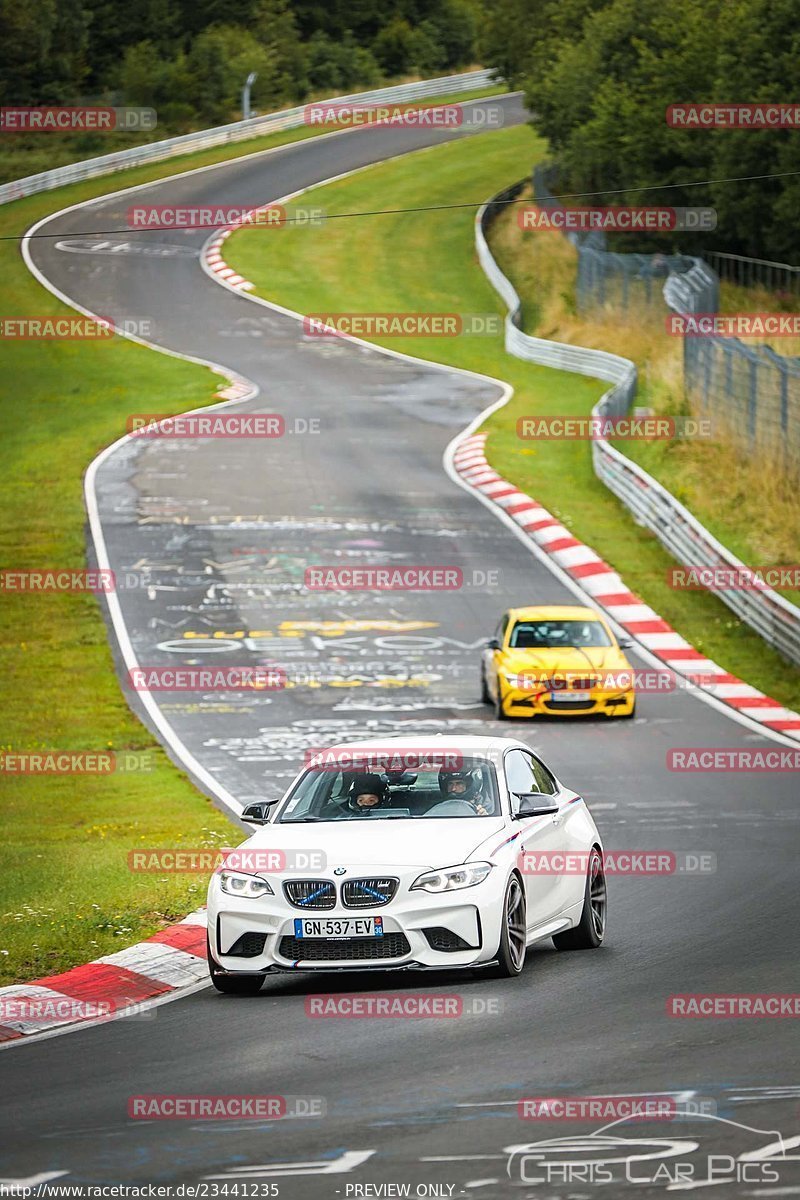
[(224, 530)]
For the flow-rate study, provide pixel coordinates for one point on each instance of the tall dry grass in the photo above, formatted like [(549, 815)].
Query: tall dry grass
[(747, 500)]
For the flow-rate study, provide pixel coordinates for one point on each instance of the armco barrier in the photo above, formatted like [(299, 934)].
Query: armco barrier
[(239, 131), (773, 617)]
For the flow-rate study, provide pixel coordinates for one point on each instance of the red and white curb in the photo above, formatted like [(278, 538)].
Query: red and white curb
[(609, 592), (212, 256), (117, 985)]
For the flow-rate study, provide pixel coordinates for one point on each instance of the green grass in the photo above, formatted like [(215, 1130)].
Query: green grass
[(66, 895), (426, 262)]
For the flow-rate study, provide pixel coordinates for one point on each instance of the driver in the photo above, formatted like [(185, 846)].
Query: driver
[(462, 785), (368, 792)]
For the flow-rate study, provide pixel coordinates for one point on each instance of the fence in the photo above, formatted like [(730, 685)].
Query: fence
[(626, 281), (773, 617), (751, 393), (754, 272), (238, 131)]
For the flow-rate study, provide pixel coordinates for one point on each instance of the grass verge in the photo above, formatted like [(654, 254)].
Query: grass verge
[(425, 262), (66, 894)]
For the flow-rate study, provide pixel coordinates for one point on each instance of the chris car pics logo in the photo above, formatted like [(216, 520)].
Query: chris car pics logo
[(699, 1149)]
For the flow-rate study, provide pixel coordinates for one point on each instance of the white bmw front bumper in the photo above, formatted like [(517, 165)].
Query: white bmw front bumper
[(459, 928)]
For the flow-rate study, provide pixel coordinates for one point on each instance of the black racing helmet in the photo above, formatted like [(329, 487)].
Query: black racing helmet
[(369, 784), (467, 777)]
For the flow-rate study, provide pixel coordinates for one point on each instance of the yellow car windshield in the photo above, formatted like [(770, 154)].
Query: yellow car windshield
[(529, 635)]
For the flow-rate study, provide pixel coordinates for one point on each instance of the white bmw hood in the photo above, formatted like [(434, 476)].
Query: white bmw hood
[(367, 841)]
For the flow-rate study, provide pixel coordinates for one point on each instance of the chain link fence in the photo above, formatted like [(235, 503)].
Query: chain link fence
[(750, 392)]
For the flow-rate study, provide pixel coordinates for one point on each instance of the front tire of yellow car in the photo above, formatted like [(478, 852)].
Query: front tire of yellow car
[(500, 713)]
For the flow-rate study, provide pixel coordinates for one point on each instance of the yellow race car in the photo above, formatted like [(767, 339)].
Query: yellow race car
[(560, 659)]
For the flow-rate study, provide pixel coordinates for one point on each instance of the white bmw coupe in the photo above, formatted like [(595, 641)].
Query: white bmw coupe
[(434, 852)]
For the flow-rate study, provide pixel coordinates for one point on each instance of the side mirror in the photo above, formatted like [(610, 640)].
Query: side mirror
[(535, 804), (257, 814), (624, 643), (492, 644)]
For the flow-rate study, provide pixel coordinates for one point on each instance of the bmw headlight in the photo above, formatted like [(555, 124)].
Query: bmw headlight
[(236, 883), (450, 879)]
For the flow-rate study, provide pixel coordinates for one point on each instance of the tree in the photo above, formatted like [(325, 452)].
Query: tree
[(452, 26), (401, 50), (339, 66), (274, 25), (219, 61)]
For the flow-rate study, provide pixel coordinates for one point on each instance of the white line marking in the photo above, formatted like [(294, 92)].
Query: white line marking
[(346, 1162)]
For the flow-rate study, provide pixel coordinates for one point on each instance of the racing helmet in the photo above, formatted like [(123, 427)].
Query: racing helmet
[(466, 777), (368, 784)]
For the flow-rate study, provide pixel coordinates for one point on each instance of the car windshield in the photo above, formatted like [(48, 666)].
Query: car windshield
[(336, 794), (527, 635)]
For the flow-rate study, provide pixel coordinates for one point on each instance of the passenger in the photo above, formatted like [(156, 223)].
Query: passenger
[(366, 794)]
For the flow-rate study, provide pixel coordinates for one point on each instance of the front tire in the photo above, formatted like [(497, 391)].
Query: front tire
[(588, 934), (232, 985), (485, 697), (500, 713), (511, 951)]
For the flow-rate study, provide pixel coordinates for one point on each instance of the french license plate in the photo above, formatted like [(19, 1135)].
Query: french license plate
[(570, 697), (338, 927)]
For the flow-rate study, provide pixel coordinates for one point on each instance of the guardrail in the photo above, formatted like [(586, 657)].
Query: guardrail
[(238, 131), (651, 504)]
